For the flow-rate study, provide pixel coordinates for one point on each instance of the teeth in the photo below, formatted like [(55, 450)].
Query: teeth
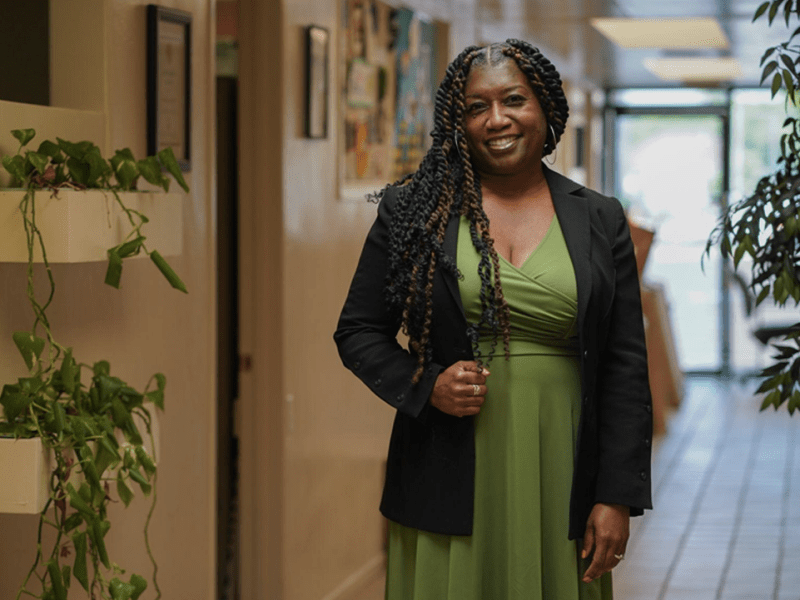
[(501, 143)]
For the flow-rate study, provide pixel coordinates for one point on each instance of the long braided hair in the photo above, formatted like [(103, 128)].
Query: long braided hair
[(446, 186)]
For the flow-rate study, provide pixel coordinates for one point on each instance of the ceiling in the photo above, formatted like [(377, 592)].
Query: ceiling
[(562, 29)]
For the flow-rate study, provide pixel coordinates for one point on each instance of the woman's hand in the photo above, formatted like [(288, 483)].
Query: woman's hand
[(460, 389), (605, 539)]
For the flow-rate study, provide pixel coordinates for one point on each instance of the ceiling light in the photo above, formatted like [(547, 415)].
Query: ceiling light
[(677, 34), (694, 69)]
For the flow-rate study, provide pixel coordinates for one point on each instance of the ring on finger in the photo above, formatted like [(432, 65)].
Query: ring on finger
[(476, 389), (619, 556)]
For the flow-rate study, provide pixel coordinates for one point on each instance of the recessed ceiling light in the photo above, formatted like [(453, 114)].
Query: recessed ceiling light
[(703, 32), (694, 69)]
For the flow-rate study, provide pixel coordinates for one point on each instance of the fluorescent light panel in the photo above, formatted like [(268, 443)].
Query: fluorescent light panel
[(694, 69), (672, 34)]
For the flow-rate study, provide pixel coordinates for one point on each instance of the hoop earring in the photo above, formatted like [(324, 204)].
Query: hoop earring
[(458, 148), (554, 153)]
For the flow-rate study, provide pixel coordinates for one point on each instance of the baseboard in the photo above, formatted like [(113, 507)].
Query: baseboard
[(373, 569)]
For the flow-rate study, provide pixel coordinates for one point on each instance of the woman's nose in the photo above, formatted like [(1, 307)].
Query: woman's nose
[(497, 116)]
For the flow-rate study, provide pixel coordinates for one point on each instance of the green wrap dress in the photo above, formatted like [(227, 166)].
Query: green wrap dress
[(525, 439)]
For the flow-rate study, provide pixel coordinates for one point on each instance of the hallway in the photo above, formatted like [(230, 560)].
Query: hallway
[(726, 491)]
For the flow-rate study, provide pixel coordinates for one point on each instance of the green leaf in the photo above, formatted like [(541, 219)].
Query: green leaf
[(99, 169), (15, 402), (106, 455), (167, 271), (761, 10), (787, 11), (140, 479), (139, 585), (59, 416), (738, 254), (16, 166), (96, 533), (120, 590), (773, 10), (101, 367), (78, 503), (79, 566), (59, 591), (131, 248), (145, 460), (68, 371), (776, 84), (30, 346), (66, 575), (772, 399), (76, 150), (23, 135), (38, 161), (125, 170), (167, 158), (767, 54), (150, 169), (114, 270), (79, 171), (124, 492), (50, 149), (789, 82), (73, 521), (763, 294)]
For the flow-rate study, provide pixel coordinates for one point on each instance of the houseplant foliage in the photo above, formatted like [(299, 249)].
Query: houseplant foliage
[(89, 419), (766, 225)]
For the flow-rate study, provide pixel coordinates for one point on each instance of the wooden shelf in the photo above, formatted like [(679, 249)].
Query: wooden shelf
[(25, 473), (80, 226)]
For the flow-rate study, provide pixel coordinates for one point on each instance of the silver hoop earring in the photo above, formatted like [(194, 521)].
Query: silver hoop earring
[(554, 153), (458, 148)]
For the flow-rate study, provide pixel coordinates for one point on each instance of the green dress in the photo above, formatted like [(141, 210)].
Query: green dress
[(525, 439)]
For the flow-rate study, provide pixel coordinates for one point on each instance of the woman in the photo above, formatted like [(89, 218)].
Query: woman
[(495, 467)]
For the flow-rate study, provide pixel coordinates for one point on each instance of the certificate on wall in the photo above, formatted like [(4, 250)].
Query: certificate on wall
[(169, 82)]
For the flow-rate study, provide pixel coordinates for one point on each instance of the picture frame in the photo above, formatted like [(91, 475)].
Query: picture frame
[(317, 81), (169, 67)]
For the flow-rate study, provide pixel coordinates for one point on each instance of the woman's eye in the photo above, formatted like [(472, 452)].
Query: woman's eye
[(515, 99), (475, 107)]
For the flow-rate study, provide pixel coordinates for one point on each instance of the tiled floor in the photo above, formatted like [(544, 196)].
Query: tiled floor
[(726, 524)]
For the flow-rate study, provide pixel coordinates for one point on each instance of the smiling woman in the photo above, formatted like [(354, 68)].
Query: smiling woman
[(492, 477)]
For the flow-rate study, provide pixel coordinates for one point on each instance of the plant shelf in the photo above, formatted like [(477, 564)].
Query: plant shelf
[(25, 468), (81, 225)]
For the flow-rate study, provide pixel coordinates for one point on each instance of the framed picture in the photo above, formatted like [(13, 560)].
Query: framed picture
[(317, 42), (169, 62)]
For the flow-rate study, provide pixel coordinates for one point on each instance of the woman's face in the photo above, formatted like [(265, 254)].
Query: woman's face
[(504, 124)]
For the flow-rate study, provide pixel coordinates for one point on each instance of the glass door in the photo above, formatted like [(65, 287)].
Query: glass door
[(670, 173)]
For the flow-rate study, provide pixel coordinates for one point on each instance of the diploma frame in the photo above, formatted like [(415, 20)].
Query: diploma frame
[(317, 59), (169, 82)]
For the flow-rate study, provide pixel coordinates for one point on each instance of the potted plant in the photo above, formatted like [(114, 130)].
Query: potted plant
[(766, 225), (96, 426)]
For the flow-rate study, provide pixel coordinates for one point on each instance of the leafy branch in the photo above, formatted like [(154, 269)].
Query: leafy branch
[(766, 225)]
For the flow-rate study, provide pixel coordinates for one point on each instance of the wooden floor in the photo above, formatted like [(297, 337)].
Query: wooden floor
[(726, 524)]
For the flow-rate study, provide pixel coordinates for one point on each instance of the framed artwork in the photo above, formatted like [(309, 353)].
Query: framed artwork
[(317, 43), (169, 62), (389, 67)]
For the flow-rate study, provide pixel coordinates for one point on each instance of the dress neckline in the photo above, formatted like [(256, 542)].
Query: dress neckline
[(539, 245)]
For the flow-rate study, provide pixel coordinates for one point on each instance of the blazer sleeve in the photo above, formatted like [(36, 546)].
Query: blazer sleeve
[(624, 405), (366, 335)]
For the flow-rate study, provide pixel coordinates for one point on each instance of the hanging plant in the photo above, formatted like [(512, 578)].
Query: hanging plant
[(766, 225), (86, 417)]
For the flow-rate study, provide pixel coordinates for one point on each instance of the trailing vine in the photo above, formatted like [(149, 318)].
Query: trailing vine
[(87, 418)]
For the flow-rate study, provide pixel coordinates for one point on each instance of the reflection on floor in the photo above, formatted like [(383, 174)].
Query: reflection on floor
[(726, 524)]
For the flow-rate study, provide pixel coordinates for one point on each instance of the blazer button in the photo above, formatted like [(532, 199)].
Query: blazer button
[(585, 353), (401, 397), (647, 442), (378, 382), (357, 364), (648, 408), (643, 475)]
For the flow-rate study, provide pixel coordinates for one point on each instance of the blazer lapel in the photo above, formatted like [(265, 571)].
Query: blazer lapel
[(573, 216)]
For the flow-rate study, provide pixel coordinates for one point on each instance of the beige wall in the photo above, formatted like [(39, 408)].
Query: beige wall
[(146, 326)]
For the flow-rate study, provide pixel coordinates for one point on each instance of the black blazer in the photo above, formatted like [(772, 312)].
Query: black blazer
[(431, 463)]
